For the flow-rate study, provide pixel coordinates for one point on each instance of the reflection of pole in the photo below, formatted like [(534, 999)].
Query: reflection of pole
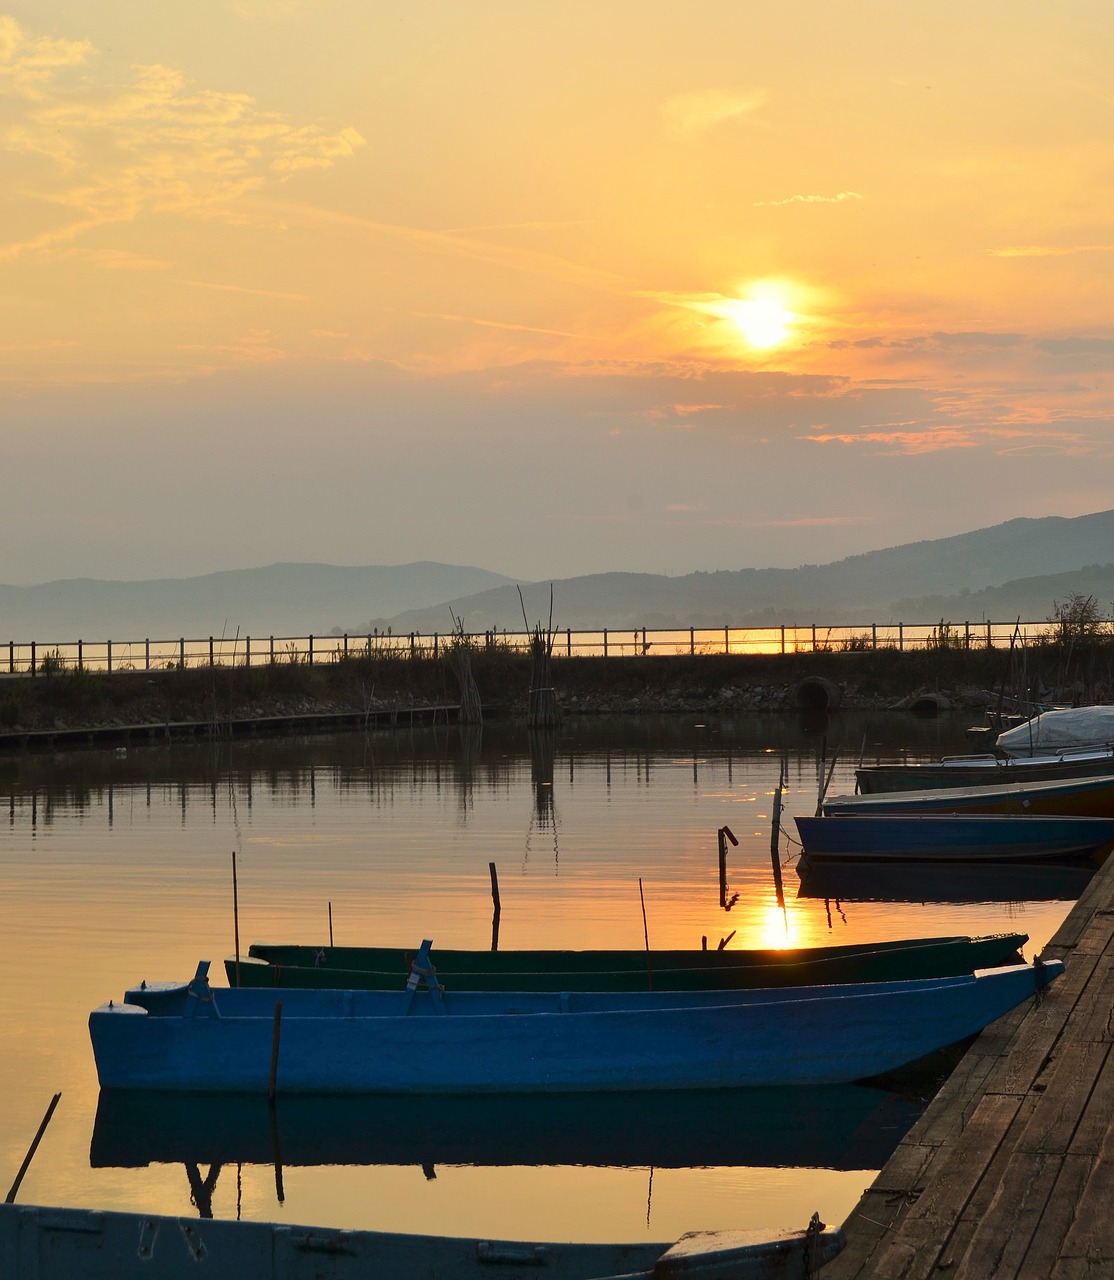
[(496, 907), (775, 836), (277, 1152)]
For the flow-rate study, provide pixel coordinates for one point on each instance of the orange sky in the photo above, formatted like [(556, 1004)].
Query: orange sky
[(547, 288)]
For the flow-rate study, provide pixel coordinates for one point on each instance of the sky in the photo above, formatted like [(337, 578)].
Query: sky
[(548, 288)]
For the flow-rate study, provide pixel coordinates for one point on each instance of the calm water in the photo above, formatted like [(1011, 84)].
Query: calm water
[(118, 867)]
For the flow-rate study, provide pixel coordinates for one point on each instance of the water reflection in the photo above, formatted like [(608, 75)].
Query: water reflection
[(831, 1127)]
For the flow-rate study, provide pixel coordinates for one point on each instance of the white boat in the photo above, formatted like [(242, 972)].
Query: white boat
[(188, 1035), (1071, 727)]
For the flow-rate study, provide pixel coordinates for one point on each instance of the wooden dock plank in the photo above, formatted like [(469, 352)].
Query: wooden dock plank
[(1009, 1173)]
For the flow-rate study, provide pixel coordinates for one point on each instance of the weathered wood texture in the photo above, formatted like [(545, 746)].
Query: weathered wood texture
[(1010, 1171)]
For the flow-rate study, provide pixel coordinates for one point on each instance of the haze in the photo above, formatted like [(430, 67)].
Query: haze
[(551, 289)]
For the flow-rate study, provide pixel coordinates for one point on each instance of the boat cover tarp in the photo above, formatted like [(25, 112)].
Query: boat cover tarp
[(1059, 731)]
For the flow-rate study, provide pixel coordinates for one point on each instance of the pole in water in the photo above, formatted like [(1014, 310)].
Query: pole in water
[(275, 1051), (236, 916), (496, 906), (330, 924), (723, 835), (32, 1149), (775, 836), (646, 935)]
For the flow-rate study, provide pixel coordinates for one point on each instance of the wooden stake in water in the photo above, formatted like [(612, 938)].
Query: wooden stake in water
[(31, 1150), (775, 839), (330, 924), (646, 935), (496, 906), (236, 916)]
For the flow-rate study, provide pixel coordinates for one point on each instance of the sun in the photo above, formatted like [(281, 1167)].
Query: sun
[(762, 321)]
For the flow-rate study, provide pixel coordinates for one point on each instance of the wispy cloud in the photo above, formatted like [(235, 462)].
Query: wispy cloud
[(689, 113), (246, 289), (157, 144), (495, 324), (1049, 250), (836, 199)]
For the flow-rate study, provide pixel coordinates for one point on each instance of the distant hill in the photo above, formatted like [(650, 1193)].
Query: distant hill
[(901, 584), (1021, 567), (281, 599)]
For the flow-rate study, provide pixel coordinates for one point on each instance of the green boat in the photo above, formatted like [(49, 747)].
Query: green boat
[(384, 968)]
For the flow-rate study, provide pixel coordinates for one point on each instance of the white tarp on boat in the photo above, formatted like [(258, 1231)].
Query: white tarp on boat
[(1053, 731)]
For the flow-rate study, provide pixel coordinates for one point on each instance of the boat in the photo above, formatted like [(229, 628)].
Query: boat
[(388, 968), (1067, 727), (189, 1035), (837, 1126), (952, 837), (1077, 797), (985, 770), (48, 1243), (868, 880)]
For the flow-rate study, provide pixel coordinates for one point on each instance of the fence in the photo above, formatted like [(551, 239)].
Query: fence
[(34, 658)]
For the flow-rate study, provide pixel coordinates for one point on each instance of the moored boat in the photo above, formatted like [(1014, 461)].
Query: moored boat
[(983, 771), (952, 837), (1059, 729), (188, 1035), (52, 1243), (388, 968), (1075, 797)]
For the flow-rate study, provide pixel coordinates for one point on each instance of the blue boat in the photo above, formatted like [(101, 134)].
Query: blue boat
[(951, 837), (188, 1035)]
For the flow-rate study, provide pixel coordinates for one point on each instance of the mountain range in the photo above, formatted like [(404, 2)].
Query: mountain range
[(1021, 568)]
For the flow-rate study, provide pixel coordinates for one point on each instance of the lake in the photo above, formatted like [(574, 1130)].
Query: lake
[(118, 866)]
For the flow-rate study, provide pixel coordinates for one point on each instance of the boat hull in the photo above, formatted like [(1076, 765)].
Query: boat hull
[(1064, 797), (981, 771), (387, 968), (951, 837), (190, 1036)]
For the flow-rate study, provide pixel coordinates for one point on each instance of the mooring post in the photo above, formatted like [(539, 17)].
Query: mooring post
[(646, 935), (236, 916), (496, 906)]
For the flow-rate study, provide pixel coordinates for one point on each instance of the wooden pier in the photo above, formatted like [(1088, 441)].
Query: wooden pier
[(1010, 1171)]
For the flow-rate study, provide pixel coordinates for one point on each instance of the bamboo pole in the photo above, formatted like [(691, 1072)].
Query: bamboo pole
[(236, 916), (31, 1150), (496, 906), (275, 1051), (646, 935)]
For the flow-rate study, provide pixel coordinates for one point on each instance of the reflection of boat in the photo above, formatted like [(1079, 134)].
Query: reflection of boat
[(63, 1243), (187, 1035), (1078, 797), (952, 837), (874, 881), (386, 968), (982, 771), (830, 1126)]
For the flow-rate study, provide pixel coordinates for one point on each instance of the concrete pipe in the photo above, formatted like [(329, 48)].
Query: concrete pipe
[(929, 705), (814, 693)]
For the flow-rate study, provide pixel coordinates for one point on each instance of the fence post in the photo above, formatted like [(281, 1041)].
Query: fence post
[(605, 642), (346, 644), (967, 635), (32, 659), (901, 636), (309, 656), (182, 652), (692, 642), (783, 638), (147, 654), (874, 635), (814, 637), (108, 655), (568, 642), (435, 644), (272, 651), (726, 641), (210, 651), (247, 651), (80, 663), (989, 640), (11, 657)]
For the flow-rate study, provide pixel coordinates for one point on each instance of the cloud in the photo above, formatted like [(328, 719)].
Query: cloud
[(938, 341), (689, 113), (836, 199), (157, 144), (1049, 251), (29, 62), (1076, 346), (1004, 440)]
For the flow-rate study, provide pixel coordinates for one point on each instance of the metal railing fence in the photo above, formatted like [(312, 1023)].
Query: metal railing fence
[(35, 658)]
